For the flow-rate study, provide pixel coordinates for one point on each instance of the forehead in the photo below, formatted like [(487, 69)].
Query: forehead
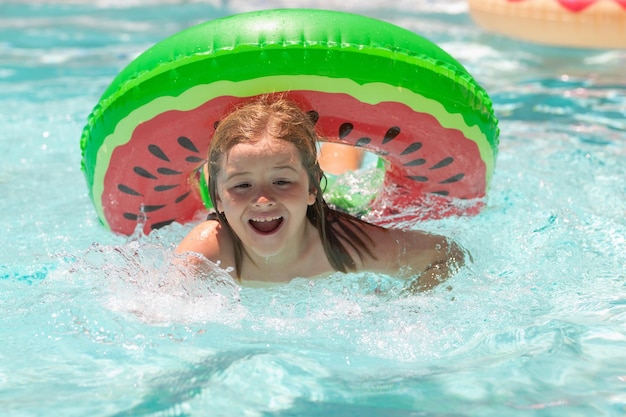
[(267, 149)]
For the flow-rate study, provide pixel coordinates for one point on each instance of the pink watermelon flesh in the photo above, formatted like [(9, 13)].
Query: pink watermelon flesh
[(158, 167)]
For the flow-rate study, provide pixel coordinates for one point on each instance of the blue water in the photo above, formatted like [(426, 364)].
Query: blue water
[(93, 324)]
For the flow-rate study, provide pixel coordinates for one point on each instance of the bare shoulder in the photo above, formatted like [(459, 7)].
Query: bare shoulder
[(411, 251), (210, 240)]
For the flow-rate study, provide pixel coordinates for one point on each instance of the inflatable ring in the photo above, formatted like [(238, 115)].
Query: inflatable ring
[(581, 23), (370, 84)]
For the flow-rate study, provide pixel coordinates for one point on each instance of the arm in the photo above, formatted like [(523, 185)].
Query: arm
[(201, 239), (425, 259), (209, 241), (439, 259), (444, 263)]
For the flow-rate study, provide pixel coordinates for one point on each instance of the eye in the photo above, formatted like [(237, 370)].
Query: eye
[(242, 186), (282, 182)]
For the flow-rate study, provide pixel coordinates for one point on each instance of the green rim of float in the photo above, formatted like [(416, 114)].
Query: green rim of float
[(330, 56)]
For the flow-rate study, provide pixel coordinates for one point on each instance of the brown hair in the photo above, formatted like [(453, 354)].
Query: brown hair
[(284, 120)]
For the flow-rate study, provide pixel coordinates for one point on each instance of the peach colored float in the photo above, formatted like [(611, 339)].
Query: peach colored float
[(570, 23)]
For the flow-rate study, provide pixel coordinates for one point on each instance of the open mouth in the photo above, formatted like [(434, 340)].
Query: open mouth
[(266, 226)]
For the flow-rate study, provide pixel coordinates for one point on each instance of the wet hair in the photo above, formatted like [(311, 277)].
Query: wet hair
[(282, 119)]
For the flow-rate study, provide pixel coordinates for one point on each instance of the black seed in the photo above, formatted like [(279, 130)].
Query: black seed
[(455, 178), (444, 162), (130, 216), (194, 159), (144, 173), (313, 116), (442, 192), (415, 162), (345, 129), (182, 197), (165, 187), (158, 152), (362, 142), (148, 209), (159, 225), (391, 134), (127, 190), (216, 124), (418, 178), (415, 146), (186, 143), (167, 171)]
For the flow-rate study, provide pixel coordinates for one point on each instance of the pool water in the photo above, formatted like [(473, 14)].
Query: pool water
[(94, 324)]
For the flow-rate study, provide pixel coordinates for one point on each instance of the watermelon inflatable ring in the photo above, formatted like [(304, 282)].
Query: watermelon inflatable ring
[(368, 83)]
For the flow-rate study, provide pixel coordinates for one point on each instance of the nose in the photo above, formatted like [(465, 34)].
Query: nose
[(264, 199)]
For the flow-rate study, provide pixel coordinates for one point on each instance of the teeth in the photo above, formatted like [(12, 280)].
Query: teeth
[(266, 219)]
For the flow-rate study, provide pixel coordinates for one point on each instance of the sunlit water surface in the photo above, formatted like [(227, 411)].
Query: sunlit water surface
[(94, 324)]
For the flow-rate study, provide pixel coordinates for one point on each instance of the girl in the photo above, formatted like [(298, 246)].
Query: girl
[(272, 223)]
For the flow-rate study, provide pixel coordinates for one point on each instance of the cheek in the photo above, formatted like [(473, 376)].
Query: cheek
[(231, 202)]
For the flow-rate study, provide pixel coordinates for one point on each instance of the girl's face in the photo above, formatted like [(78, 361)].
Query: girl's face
[(263, 190)]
